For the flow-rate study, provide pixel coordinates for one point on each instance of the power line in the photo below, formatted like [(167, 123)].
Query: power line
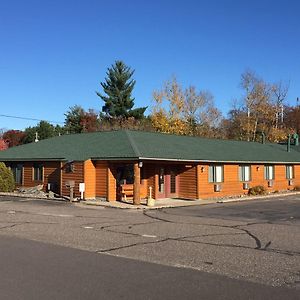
[(30, 119)]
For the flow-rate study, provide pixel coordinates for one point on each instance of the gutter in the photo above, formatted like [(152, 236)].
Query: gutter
[(32, 159), (194, 160)]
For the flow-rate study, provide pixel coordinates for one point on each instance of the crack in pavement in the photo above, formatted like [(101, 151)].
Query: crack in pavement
[(251, 235)]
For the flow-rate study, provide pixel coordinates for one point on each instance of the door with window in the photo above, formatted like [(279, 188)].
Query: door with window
[(167, 182), (17, 170)]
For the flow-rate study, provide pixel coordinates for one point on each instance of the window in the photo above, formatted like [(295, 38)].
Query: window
[(17, 171), (38, 173), (289, 172), (245, 173), (216, 173), (69, 167), (125, 175), (269, 172), (172, 182)]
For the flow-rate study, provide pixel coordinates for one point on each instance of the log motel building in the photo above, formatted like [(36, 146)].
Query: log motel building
[(115, 165)]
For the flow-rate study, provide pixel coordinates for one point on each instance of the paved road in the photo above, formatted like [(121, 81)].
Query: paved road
[(33, 270), (255, 241)]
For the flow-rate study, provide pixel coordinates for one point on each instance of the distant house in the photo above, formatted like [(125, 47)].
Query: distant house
[(3, 145), (115, 164)]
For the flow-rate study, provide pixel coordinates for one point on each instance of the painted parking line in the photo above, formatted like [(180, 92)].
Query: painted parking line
[(149, 235), (56, 215)]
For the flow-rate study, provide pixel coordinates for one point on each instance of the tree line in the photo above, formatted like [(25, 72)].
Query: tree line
[(263, 108)]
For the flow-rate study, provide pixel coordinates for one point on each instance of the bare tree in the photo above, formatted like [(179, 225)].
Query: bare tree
[(280, 91)]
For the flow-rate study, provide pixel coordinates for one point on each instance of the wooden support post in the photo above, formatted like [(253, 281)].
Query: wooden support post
[(136, 184)]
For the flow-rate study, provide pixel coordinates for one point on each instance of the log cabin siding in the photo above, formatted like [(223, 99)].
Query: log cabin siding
[(188, 183), (150, 174), (77, 175), (232, 186), (101, 178), (51, 174), (89, 179), (111, 183)]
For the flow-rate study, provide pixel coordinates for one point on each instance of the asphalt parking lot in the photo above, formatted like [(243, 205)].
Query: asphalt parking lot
[(253, 241)]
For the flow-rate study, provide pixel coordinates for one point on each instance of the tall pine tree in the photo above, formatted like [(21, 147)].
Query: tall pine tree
[(118, 87)]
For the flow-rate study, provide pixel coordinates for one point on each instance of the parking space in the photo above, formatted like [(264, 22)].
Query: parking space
[(257, 241)]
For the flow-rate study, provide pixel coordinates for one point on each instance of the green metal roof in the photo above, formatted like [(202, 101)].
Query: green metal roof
[(127, 144)]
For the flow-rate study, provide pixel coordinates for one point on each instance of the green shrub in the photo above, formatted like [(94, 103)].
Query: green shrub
[(257, 190), (7, 182), (297, 188)]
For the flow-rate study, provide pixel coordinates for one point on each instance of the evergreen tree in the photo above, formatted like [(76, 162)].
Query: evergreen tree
[(44, 130), (118, 87), (73, 119)]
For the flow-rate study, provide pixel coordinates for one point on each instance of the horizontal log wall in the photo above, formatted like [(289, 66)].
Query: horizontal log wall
[(101, 179), (232, 186), (51, 174), (150, 173), (76, 175), (188, 182), (111, 183), (89, 179)]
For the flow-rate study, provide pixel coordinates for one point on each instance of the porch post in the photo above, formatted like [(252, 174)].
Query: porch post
[(136, 184)]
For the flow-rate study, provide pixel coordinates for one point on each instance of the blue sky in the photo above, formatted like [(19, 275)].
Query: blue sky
[(54, 54)]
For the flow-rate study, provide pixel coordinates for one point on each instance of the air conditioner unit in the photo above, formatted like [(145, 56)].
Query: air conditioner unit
[(270, 183), (217, 187), (246, 186), (49, 186), (291, 182)]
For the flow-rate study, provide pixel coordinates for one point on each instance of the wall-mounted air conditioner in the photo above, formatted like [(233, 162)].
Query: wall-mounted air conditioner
[(270, 183), (246, 186), (217, 187)]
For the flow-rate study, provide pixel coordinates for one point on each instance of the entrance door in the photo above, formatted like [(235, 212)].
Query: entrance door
[(161, 183), (167, 182)]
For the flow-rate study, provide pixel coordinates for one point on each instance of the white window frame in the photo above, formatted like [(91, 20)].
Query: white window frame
[(269, 172), (245, 173), (216, 173), (289, 172), (40, 172)]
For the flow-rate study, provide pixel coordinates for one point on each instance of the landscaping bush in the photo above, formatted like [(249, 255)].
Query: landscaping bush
[(7, 182), (297, 188), (257, 190)]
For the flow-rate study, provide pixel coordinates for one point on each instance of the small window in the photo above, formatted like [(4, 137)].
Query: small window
[(69, 167), (289, 172), (269, 172), (172, 182), (245, 173), (38, 172), (216, 173)]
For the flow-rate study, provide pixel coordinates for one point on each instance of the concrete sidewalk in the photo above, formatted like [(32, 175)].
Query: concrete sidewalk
[(169, 202)]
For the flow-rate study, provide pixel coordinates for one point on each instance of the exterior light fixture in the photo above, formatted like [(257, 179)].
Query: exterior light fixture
[(140, 164), (257, 168), (202, 169)]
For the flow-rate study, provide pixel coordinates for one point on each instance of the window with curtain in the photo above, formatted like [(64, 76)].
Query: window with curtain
[(216, 173), (269, 172), (38, 172), (245, 172)]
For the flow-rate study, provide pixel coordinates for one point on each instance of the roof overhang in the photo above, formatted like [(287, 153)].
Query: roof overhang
[(194, 160)]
